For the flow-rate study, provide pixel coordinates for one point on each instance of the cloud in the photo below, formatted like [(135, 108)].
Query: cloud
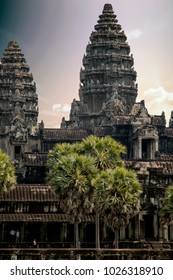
[(158, 100), (61, 108), (133, 34)]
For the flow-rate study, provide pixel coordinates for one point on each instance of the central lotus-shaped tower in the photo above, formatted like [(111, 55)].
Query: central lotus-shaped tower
[(107, 78)]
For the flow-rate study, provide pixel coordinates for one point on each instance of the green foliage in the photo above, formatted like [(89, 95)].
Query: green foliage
[(166, 212), (117, 194), (90, 175), (70, 175), (105, 150), (7, 173)]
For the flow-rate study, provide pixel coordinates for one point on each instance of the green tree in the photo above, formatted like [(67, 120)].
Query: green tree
[(117, 193), (70, 175), (7, 173), (107, 154), (166, 212), (77, 172)]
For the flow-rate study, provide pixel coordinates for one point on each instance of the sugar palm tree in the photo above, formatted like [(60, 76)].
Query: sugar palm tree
[(107, 153), (117, 193), (7, 173), (105, 150), (70, 175)]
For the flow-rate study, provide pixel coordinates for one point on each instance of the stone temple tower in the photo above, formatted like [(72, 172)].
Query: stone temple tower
[(107, 78), (18, 102)]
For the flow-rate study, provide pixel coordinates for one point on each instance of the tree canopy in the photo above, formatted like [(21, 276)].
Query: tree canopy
[(117, 196), (7, 173), (70, 176)]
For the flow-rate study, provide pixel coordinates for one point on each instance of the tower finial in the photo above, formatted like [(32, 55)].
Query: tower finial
[(107, 7)]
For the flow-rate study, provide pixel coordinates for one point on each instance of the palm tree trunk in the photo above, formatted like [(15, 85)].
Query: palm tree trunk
[(76, 228), (97, 221)]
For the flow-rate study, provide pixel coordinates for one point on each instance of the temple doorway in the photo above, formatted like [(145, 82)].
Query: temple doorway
[(148, 149), (148, 226)]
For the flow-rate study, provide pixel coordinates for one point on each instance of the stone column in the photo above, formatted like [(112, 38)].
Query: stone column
[(171, 231), (142, 227), (165, 233), (152, 149), (2, 227), (155, 226), (130, 230), (137, 227), (22, 233), (122, 233), (140, 148), (160, 232), (156, 145)]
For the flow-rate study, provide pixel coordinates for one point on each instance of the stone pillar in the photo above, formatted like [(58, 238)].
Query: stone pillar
[(165, 233), (130, 230), (22, 233), (142, 227), (2, 227), (137, 227), (135, 148), (171, 232), (160, 232), (156, 145), (152, 149), (140, 148), (122, 233), (155, 226)]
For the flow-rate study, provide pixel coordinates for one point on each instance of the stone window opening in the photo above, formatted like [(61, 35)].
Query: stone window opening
[(17, 151)]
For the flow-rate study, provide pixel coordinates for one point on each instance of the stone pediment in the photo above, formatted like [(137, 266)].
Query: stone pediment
[(147, 132)]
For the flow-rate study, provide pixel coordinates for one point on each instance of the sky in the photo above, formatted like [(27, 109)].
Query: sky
[(53, 35)]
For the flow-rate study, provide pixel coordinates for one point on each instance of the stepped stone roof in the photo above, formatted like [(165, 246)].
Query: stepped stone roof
[(64, 134), (26, 193), (143, 167), (21, 217)]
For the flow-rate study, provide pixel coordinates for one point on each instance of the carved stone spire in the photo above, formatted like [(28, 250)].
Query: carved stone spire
[(18, 98), (107, 78)]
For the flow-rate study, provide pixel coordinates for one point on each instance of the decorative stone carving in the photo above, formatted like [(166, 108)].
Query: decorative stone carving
[(18, 131)]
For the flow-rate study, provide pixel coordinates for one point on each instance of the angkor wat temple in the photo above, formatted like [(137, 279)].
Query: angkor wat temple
[(106, 106)]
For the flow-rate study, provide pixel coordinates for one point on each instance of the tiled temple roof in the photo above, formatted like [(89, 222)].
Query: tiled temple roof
[(143, 167), (21, 217), (39, 193), (35, 159), (64, 134)]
